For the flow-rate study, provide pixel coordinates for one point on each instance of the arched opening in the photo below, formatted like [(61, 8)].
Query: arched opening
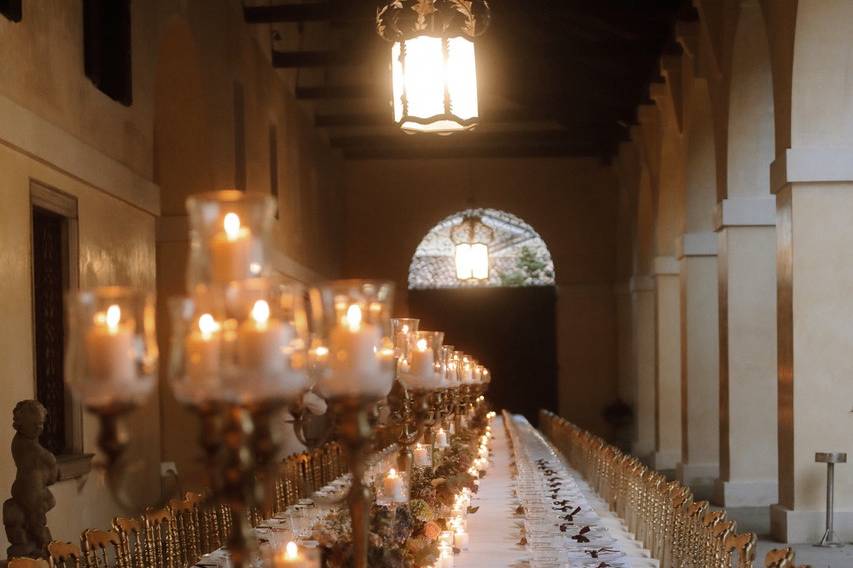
[(509, 319), (518, 255)]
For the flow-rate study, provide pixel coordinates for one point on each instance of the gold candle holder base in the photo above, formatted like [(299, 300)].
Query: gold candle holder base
[(354, 429)]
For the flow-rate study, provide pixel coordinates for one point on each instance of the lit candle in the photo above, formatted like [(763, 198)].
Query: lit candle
[(262, 342), (202, 347), (445, 556), (460, 538), (231, 251), (292, 557), (441, 439), (421, 456), (467, 373), (109, 348), (393, 487), (420, 370), (356, 359)]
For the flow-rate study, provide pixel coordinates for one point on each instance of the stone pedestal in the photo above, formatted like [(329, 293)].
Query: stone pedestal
[(815, 353), (747, 300), (699, 464), (643, 344), (668, 364)]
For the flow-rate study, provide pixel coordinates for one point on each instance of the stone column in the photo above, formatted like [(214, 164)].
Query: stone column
[(814, 204), (699, 464), (747, 298), (643, 345), (667, 363)]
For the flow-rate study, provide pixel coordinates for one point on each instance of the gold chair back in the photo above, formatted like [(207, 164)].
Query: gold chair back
[(64, 554), (185, 531), (103, 548), (779, 558), (27, 563), (131, 533), (744, 546), (159, 538)]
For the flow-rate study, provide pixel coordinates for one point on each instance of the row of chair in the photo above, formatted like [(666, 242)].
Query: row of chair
[(177, 535), (678, 531)]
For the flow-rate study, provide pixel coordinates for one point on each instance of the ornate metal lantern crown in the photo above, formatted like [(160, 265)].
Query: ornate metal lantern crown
[(471, 239), (433, 62)]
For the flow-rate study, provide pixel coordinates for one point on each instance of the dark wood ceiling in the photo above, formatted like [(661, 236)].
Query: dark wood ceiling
[(556, 77)]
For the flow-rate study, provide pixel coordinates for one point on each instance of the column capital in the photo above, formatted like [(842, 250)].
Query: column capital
[(745, 212), (800, 165), (696, 244), (642, 283), (663, 265)]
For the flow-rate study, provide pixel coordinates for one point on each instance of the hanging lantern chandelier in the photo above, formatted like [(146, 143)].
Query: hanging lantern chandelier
[(471, 239), (433, 65)]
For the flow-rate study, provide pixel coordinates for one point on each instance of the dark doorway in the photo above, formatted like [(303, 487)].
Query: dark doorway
[(511, 330)]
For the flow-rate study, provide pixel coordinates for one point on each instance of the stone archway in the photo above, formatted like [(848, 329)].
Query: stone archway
[(745, 224)]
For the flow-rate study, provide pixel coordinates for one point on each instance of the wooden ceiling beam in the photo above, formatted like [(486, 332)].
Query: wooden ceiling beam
[(294, 59), (385, 118), (479, 139), (329, 92), (474, 151), (335, 11)]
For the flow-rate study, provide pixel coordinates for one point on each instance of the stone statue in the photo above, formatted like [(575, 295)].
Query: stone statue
[(25, 514)]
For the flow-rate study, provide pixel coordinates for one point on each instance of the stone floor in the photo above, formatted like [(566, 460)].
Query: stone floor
[(757, 520)]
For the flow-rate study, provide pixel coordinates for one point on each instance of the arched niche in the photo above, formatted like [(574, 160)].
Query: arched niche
[(644, 251), (700, 191), (751, 138)]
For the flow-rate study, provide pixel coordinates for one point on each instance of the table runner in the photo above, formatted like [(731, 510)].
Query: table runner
[(496, 529)]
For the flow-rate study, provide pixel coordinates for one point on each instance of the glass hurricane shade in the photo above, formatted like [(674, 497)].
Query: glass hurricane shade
[(434, 84)]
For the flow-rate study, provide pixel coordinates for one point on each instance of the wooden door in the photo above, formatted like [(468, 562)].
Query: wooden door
[(510, 330)]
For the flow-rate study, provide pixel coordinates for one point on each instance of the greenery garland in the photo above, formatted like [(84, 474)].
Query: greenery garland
[(406, 535)]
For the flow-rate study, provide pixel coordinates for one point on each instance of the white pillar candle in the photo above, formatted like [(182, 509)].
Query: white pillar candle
[(421, 456), (262, 341), (231, 251), (460, 539), (393, 487), (356, 359), (202, 348), (467, 374), (109, 349), (445, 556), (441, 439), (420, 371)]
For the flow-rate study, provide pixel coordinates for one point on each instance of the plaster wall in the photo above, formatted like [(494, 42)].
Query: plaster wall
[(571, 203)]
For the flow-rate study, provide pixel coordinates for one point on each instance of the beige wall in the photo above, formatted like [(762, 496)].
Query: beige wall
[(58, 129), (391, 205)]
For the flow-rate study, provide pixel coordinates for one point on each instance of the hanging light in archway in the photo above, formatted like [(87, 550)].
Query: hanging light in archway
[(471, 239), (433, 65)]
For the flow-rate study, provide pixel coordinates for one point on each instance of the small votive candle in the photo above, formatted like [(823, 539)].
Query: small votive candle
[(421, 456), (262, 342), (393, 487), (292, 557), (441, 439), (460, 539)]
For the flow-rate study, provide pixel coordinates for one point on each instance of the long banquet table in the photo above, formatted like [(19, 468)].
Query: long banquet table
[(533, 519)]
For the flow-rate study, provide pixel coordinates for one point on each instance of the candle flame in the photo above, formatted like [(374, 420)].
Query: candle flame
[(321, 351), (405, 328), (353, 318), (261, 312), (207, 325), (392, 473), (291, 551), (422, 345), (113, 317), (231, 224)]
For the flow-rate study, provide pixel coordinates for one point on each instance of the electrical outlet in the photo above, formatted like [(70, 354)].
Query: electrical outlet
[(167, 468)]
